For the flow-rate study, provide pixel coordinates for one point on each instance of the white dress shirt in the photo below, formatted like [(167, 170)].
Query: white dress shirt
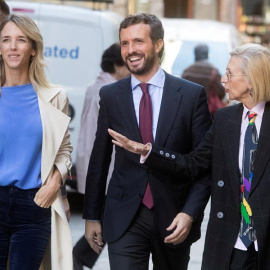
[(259, 110), (155, 90)]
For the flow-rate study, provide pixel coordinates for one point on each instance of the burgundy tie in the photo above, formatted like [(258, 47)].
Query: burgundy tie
[(145, 125)]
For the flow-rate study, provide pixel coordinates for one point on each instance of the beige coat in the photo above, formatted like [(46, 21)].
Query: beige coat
[(56, 149)]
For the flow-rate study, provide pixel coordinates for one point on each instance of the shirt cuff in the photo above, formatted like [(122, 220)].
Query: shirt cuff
[(144, 158)]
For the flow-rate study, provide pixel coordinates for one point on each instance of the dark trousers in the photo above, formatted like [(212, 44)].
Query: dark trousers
[(132, 250), (25, 229), (244, 260), (83, 255)]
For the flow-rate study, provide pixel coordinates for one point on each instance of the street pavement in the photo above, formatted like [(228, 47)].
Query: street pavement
[(77, 230)]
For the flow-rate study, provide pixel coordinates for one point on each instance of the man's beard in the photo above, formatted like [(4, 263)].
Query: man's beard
[(146, 67)]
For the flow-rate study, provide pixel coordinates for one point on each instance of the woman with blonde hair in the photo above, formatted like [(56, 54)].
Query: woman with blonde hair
[(35, 154)]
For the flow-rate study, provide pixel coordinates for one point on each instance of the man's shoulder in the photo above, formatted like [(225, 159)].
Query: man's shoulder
[(173, 78), (110, 89), (120, 83), (181, 82)]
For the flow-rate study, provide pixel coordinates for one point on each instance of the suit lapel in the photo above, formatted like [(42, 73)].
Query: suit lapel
[(125, 103), (230, 140), (171, 100), (263, 150)]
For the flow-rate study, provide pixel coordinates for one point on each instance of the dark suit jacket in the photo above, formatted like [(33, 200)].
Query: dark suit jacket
[(183, 120), (220, 148)]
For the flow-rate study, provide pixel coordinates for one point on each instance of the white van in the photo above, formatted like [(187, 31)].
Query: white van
[(74, 40), (182, 35)]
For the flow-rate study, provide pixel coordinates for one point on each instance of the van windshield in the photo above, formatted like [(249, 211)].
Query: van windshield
[(178, 55)]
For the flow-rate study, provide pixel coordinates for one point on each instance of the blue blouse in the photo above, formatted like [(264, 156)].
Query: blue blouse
[(20, 137)]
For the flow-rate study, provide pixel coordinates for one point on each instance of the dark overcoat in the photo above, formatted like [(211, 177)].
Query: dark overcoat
[(183, 120), (219, 150)]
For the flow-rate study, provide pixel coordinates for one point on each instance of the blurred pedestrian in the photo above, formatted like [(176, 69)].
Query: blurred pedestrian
[(4, 9), (151, 105), (205, 74), (236, 149), (113, 69), (35, 154)]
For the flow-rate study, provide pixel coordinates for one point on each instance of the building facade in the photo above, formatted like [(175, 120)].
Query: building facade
[(251, 17)]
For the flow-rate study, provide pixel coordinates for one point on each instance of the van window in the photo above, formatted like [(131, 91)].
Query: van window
[(180, 54)]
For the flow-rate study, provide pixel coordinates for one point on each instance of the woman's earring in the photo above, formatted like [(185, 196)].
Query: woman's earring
[(250, 92)]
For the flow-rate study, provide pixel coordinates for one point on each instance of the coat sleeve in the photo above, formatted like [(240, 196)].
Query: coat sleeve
[(192, 165), (195, 165), (63, 159)]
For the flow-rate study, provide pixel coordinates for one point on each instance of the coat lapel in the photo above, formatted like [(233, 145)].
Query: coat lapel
[(54, 124), (230, 140), (125, 104), (171, 100), (263, 150)]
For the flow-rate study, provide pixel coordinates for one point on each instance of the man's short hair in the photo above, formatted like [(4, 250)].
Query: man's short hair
[(111, 56), (156, 32), (201, 52)]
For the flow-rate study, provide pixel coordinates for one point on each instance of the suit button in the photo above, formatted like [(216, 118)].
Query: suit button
[(148, 171), (161, 152), (220, 215), (167, 155), (220, 183), (140, 195), (173, 156)]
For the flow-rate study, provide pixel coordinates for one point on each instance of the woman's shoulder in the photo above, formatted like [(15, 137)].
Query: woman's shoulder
[(60, 98), (52, 92), (58, 89), (222, 115), (60, 92), (228, 109)]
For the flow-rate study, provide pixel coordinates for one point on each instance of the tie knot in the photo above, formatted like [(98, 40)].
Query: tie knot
[(251, 117), (144, 87)]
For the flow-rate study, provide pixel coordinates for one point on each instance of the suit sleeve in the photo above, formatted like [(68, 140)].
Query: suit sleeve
[(98, 167), (199, 193), (196, 165)]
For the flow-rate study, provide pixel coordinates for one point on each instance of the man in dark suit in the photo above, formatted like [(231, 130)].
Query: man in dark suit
[(135, 215)]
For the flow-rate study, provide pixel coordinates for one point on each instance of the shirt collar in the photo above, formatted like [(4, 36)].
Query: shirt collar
[(157, 80), (258, 109)]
